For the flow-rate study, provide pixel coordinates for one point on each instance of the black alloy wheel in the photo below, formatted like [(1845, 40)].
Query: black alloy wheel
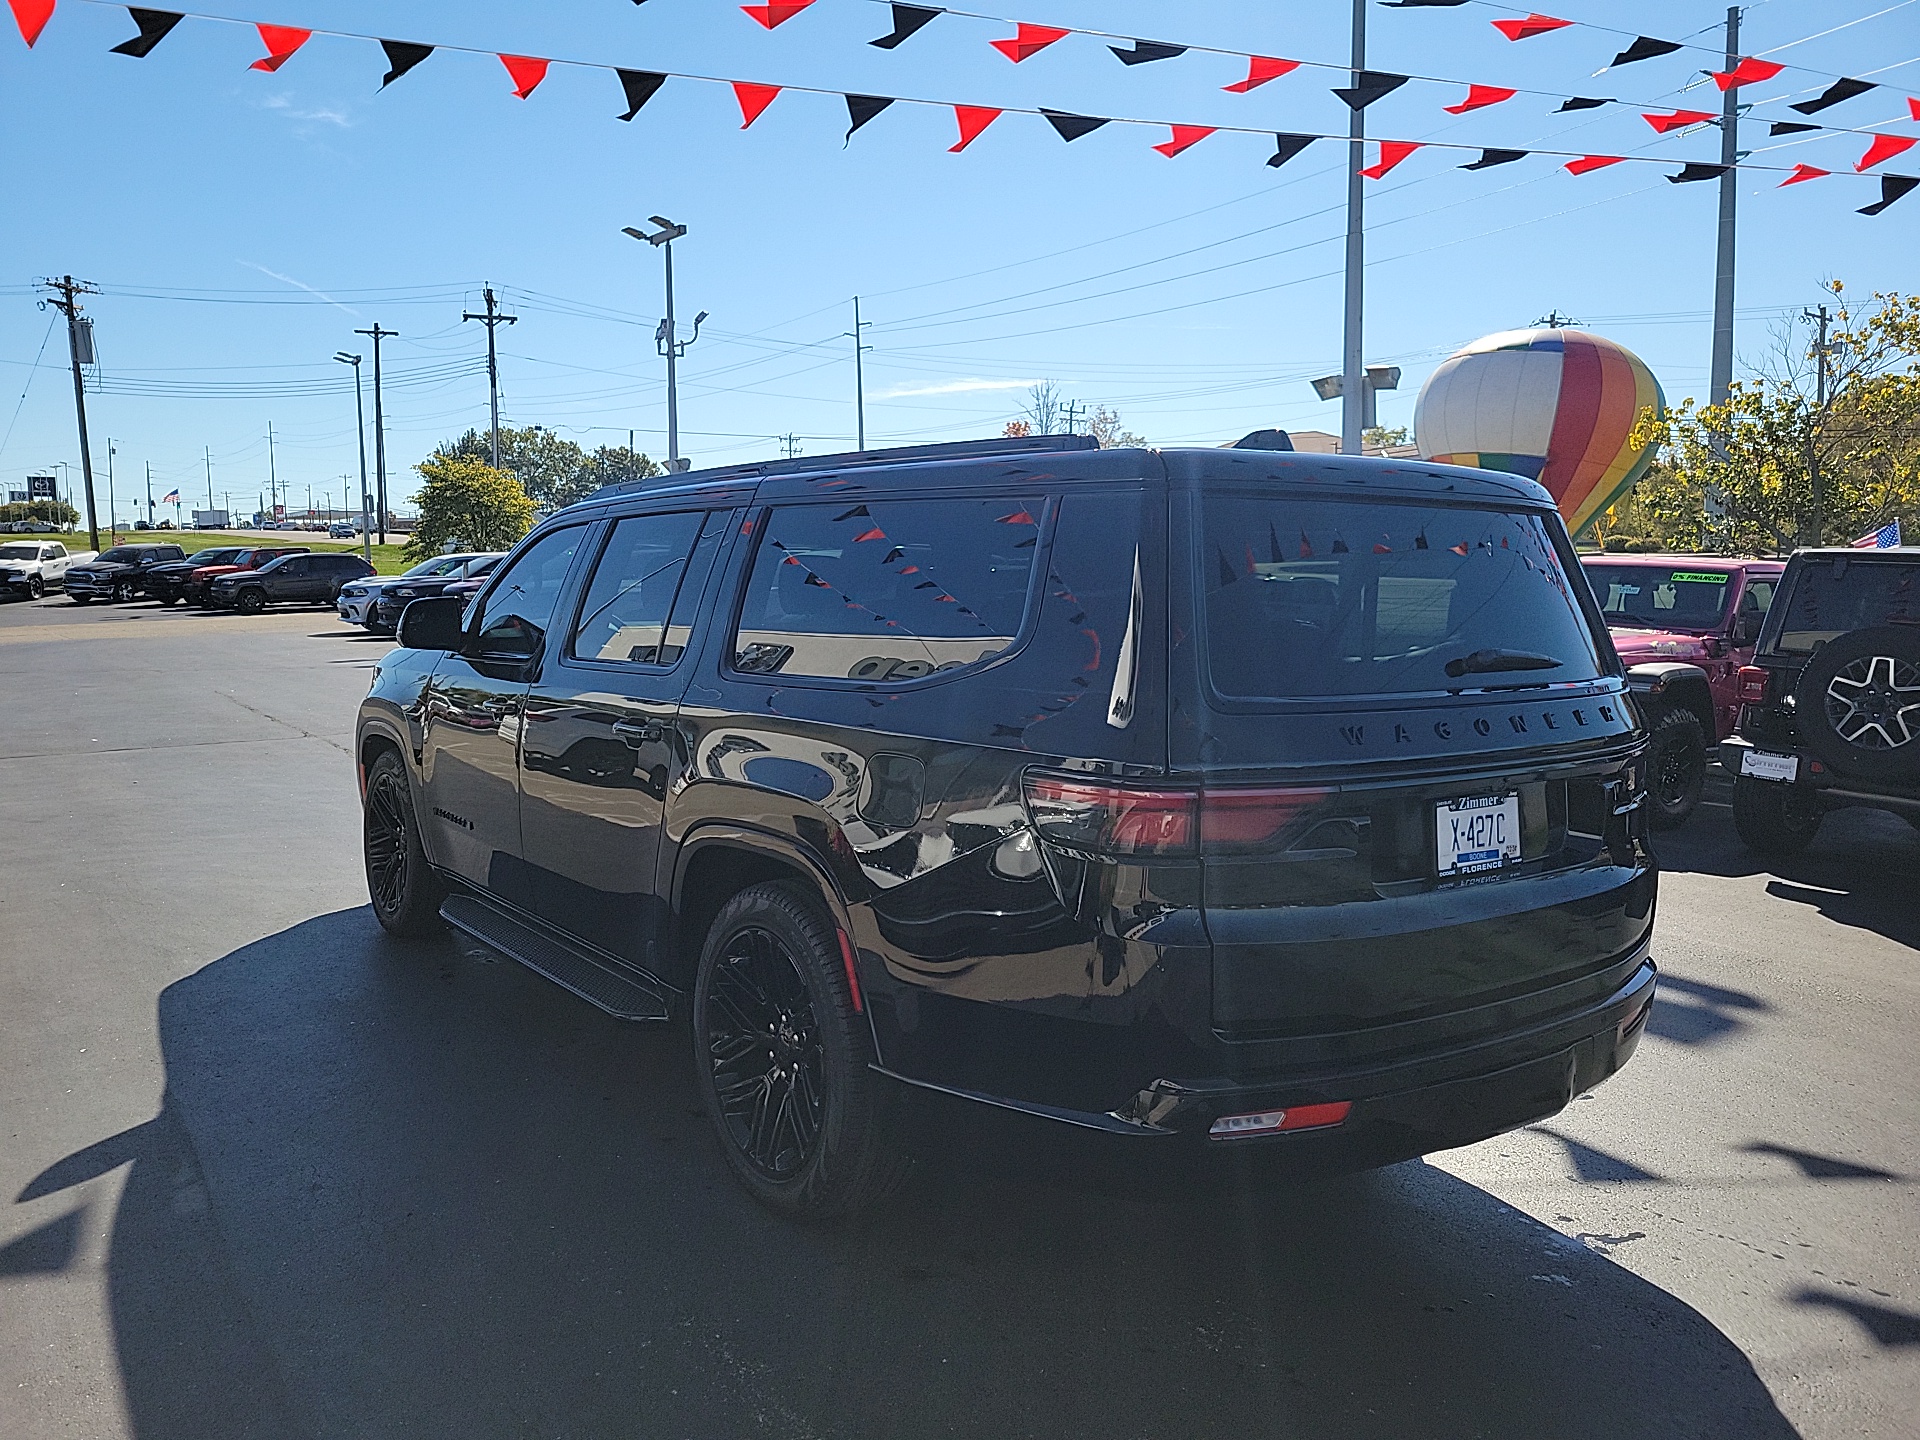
[(36, 587), (1676, 768), (1773, 817), (123, 591), (251, 600), (784, 1060), (406, 894)]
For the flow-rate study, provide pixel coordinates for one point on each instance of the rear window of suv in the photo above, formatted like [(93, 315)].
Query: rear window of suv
[(1834, 596), (1309, 598)]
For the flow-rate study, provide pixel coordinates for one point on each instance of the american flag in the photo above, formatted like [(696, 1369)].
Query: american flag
[(172, 497), (1887, 537)]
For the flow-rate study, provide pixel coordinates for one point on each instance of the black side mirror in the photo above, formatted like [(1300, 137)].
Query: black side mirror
[(433, 623)]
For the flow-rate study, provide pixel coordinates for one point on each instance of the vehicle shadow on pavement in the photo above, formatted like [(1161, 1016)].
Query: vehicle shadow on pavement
[(405, 1191)]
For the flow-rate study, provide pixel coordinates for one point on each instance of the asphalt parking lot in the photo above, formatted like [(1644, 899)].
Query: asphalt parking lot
[(265, 1172)]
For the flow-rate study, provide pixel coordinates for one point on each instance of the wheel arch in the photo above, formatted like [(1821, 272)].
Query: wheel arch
[(716, 862), (1671, 685)]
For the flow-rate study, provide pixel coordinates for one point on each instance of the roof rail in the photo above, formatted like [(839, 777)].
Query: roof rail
[(999, 448)]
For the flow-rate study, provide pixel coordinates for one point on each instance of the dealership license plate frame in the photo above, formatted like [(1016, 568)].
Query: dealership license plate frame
[(1494, 844), (1765, 765)]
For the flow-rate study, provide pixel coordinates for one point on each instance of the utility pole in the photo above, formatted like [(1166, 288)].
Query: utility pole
[(859, 375), (360, 431), (276, 502), (789, 446), (1721, 378), (1554, 320), (1071, 412), (379, 423), (666, 340), (1811, 532), (209, 450), (149, 494), (491, 319), (1353, 392), (80, 352)]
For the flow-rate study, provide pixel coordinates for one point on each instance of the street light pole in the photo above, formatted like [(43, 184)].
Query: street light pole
[(1353, 394), (379, 424), (667, 339), (360, 430)]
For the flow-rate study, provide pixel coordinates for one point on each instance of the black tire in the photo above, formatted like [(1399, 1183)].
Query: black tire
[(36, 587), (784, 1061), (1774, 818), (406, 893), (124, 592), (169, 599), (1676, 768), (250, 601), (1858, 703)]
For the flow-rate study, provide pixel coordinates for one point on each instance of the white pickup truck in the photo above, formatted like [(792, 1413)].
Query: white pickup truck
[(33, 567)]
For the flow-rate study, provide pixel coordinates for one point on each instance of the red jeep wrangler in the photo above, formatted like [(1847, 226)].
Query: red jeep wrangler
[(1684, 625)]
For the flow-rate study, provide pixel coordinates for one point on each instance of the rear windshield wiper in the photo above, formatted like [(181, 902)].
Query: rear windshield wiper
[(1486, 662)]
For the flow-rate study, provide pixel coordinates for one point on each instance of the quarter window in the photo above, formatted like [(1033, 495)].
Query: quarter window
[(888, 590), (520, 607), (625, 615)]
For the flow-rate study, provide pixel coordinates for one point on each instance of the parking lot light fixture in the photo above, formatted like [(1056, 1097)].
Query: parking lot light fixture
[(667, 338), (360, 429)]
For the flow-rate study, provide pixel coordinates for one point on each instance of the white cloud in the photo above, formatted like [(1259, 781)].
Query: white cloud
[(956, 387), (302, 285), (284, 105)]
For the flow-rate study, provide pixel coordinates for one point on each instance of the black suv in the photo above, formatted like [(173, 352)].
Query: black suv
[(1831, 713), (313, 578), (117, 574), (1220, 799)]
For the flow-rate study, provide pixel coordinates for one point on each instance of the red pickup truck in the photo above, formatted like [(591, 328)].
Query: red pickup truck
[(1684, 625)]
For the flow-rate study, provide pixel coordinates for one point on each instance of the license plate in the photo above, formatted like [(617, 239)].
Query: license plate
[(1763, 766), (1475, 834)]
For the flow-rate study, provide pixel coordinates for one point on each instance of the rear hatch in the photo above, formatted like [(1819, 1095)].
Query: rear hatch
[(1416, 761)]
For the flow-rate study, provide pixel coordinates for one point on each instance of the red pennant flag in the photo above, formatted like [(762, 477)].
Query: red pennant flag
[(753, 99), (281, 41), (973, 119), (1460, 549), (1748, 72), (1534, 24), (1804, 172), (1018, 517), (876, 533), (527, 72), (1392, 152), (32, 17), (1913, 106), (1592, 162), (1884, 147), (777, 13), (1261, 69), (1479, 97), (1184, 137), (1678, 120), (1030, 40)]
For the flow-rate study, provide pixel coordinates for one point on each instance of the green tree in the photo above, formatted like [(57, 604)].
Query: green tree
[(467, 504), (553, 471), (1105, 427), (1795, 461), (1380, 437)]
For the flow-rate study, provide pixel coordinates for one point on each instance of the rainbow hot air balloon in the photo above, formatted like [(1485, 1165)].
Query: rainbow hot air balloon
[(1557, 406)]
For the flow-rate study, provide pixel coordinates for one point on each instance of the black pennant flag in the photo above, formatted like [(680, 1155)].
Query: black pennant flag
[(862, 108), (640, 86), (1145, 52), (1791, 127), (402, 56), (154, 25), (1288, 147), (1892, 187), (1071, 127), (1644, 47), (906, 20), (1841, 89), (1582, 102), (1698, 170), (1371, 86), (1490, 158)]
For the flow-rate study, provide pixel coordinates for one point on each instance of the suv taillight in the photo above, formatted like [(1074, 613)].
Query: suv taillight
[(1108, 819), (1753, 684)]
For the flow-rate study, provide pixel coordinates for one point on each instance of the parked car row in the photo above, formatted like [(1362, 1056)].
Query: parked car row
[(375, 604), (30, 568), (244, 578)]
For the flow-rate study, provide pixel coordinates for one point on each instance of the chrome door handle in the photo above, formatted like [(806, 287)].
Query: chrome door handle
[(639, 732)]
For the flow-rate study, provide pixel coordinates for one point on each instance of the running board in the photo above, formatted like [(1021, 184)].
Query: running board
[(625, 996)]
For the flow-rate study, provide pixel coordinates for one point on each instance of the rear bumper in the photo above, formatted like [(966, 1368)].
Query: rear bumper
[(1816, 781)]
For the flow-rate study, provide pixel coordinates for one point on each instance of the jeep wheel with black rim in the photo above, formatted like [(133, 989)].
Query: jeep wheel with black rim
[(1858, 703), (783, 1059), (251, 600), (1774, 818), (1676, 768), (406, 893)]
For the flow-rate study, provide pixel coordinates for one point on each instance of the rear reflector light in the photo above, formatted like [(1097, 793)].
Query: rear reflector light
[(1274, 1122), (1753, 684), (1112, 819)]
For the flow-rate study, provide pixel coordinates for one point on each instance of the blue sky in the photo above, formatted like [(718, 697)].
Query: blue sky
[(243, 225)]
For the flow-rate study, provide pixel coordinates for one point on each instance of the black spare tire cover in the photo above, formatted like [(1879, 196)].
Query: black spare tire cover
[(1858, 703)]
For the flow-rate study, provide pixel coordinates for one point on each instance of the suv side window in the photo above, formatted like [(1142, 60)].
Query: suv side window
[(519, 607), (889, 590), (1758, 596), (624, 617), (56, 552)]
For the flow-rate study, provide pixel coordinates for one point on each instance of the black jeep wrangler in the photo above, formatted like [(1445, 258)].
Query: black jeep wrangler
[(1216, 800), (1831, 704)]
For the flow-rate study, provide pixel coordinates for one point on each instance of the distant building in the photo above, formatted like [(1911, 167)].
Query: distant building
[(1319, 442)]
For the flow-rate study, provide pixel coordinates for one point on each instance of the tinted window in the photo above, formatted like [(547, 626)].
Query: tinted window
[(1832, 597), (121, 555), (520, 607), (1758, 596), (625, 613), (889, 590), (284, 565), (1660, 596), (1309, 597)]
